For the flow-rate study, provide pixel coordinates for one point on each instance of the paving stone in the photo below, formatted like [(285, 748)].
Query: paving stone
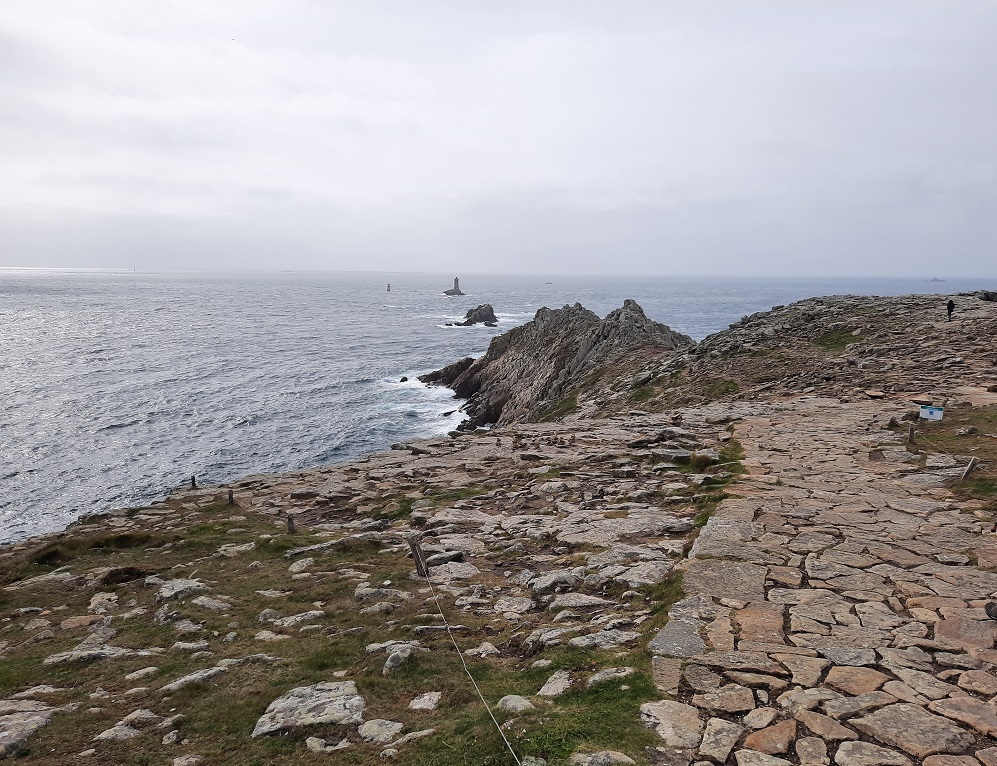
[(978, 681), (964, 661), (679, 638), (950, 760), (967, 633), (824, 727), (914, 730), (925, 683), (855, 680), (868, 754), (904, 693), (732, 698), (719, 738), (761, 622), (725, 579), (806, 671), (760, 717), (812, 751), (754, 758), (700, 678), (968, 710), (772, 739), (843, 655), (754, 662), (849, 706), (757, 679), (679, 725), (805, 699), (668, 674)]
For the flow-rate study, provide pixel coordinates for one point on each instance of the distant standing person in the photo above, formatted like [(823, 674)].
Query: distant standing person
[(950, 307)]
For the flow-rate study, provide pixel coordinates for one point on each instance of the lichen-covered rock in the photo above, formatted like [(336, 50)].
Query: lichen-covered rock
[(336, 702)]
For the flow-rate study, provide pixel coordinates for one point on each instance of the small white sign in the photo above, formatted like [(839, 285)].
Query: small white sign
[(932, 413)]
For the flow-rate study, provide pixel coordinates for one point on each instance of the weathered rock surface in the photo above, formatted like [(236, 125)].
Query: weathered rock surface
[(336, 702), (530, 368)]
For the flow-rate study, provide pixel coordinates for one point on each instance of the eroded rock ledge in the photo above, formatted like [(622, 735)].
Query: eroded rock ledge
[(529, 369)]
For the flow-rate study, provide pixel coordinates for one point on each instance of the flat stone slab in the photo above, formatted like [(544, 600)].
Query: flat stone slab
[(914, 730), (677, 724), (577, 601), (336, 702), (855, 680), (868, 754), (679, 638), (605, 639), (197, 677), (380, 730), (719, 739), (19, 719), (725, 579), (174, 589), (514, 605), (970, 711)]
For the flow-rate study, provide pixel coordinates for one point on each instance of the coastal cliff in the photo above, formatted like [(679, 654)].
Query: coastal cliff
[(529, 369), (777, 571)]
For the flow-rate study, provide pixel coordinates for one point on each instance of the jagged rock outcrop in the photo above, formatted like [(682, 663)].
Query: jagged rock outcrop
[(483, 314), (529, 369)]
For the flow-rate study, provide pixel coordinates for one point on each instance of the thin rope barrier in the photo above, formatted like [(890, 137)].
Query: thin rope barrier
[(460, 654)]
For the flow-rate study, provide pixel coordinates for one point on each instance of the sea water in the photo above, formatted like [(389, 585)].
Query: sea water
[(117, 386)]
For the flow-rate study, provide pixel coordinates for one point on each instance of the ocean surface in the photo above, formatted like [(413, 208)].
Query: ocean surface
[(117, 386)]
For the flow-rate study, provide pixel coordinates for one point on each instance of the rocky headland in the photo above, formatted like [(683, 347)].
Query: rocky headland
[(535, 370), (744, 551)]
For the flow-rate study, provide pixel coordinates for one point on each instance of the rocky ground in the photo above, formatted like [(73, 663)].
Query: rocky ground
[(783, 579)]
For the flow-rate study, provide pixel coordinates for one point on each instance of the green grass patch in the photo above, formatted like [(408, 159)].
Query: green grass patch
[(720, 388), (397, 507), (566, 406), (664, 594), (836, 340), (69, 548)]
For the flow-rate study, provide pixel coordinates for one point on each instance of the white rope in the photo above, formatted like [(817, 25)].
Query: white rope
[(460, 654)]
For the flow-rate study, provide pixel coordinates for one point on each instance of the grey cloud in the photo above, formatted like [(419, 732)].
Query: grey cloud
[(646, 137)]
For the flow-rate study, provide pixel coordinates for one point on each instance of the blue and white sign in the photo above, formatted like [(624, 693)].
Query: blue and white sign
[(932, 413)]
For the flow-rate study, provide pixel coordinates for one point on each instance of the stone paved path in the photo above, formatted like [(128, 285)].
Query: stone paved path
[(834, 613)]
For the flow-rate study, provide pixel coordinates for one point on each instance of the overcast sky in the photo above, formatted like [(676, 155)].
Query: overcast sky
[(693, 137)]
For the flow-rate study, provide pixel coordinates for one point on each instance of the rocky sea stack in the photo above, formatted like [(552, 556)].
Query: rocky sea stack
[(483, 314), (530, 369)]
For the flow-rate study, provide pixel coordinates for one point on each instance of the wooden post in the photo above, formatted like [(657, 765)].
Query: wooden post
[(290, 524), (969, 468), (231, 497), (193, 482), (417, 555), (910, 434)]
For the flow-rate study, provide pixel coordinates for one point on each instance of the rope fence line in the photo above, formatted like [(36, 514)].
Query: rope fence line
[(424, 571)]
